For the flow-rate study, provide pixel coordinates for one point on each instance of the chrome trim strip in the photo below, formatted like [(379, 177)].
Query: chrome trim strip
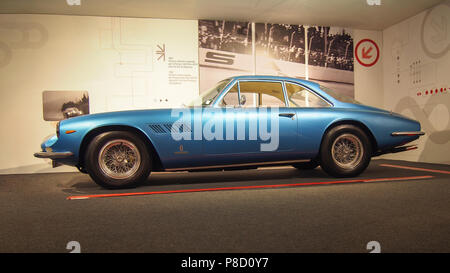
[(239, 165), (53, 155), (412, 147), (418, 133)]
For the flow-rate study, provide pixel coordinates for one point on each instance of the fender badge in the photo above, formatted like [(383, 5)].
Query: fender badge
[(181, 150)]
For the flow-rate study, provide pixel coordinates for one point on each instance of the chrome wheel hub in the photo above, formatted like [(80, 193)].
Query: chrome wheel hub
[(119, 159), (347, 151)]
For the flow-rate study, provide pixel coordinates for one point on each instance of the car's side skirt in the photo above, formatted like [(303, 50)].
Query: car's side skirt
[(239, 165)]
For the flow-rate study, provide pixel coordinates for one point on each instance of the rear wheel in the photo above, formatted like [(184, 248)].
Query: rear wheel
[(118, 159), (346, 151)]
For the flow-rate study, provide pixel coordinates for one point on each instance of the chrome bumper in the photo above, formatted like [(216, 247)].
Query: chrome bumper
[(53, 155), (408, 134)]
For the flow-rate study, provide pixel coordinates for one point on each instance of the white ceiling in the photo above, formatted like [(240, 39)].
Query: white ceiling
[(346, 13)]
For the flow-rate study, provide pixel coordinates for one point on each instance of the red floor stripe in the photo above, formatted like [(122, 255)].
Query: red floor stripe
[(415, 168), (249, 187)]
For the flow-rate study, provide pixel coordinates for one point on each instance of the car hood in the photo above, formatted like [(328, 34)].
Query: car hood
[(118, 113), (117, 118)]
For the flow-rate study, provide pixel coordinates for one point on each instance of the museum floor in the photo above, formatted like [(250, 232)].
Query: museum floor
[(405, 210)]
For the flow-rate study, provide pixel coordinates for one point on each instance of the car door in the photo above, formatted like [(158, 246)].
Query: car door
[(314, 114), (255, 122)]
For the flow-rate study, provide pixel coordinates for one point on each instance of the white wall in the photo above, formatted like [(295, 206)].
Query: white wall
[(416, 60), (114, 59), (369, 80)]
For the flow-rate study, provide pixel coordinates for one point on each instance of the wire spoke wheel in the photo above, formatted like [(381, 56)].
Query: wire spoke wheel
[(347, 151), (119, 159)]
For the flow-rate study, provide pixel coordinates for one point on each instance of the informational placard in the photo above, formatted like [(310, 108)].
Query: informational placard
[(155, 63)]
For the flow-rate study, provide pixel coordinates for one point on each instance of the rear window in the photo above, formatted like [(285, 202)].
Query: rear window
[(339, 97)]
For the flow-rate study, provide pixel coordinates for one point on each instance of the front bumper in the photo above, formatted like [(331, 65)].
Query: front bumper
[(53, 155)]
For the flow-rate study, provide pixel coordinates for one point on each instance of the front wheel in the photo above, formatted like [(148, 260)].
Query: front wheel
[(345, 151), (118, 159)]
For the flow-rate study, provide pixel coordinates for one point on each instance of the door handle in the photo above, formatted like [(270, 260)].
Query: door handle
[(288, 115)]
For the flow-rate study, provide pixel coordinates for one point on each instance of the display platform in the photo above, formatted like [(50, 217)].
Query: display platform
[(402, 205)]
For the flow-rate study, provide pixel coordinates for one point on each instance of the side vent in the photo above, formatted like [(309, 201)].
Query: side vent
[(175, 129), (168, 128), (156, 128)]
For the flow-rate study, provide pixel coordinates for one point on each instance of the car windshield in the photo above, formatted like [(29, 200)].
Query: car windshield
[(207, 97), (339, 97)]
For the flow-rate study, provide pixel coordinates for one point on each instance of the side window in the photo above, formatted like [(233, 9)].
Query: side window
[(254, 93), (298, 96), (231, 98)]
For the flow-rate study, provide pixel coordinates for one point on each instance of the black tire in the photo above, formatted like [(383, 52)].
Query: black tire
[(118, 159), (345, 160), (81, 169), (311, 165)]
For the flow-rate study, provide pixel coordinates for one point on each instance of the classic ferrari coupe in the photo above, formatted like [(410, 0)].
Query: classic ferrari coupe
[(242, 122)]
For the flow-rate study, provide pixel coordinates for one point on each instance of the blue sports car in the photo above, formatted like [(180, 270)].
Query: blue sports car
[(242, 122)]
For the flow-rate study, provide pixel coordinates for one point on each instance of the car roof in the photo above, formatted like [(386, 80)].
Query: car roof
[(276, 78), (309, 84)]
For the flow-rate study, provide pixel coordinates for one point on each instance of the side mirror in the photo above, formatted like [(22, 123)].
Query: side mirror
[(243, 99)]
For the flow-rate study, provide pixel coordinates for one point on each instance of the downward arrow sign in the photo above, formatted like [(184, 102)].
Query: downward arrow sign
[(367, 56), (365, 53)]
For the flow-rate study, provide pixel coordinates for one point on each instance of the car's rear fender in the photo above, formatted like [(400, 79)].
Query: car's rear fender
[(362, 126), (379, 126)]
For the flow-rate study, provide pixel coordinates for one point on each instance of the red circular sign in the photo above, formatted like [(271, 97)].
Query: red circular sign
[(366, 56)]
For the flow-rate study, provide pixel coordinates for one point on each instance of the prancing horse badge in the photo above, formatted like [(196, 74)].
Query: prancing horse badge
[(181, 150)]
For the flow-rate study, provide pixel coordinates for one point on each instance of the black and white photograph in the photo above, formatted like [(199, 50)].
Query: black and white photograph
[(280, 50), (330, 47), (225, 50), (59, 105), (281, 42), (330, 59), (224, 35)]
